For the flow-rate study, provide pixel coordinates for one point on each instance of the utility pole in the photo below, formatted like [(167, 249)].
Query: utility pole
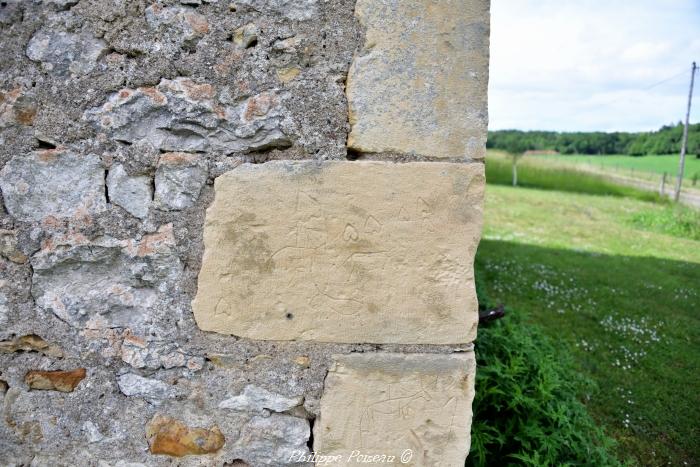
[(684, 145)]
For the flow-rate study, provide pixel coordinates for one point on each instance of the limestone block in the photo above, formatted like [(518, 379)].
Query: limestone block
[(419, 84), (416, 407), (343, 252)]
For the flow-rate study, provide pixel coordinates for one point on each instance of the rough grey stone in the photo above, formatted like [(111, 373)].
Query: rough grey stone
[(257, 399), (11, 12), (141, 354), (106, 282), (274, 440), (4, 309), (181, 115), (53, 183), (63, 52), (293, 9), (179, 180), (133, 193), (185, 23), (9, 248), (152, 390), (92, 433), (246, 35), (16, 107)]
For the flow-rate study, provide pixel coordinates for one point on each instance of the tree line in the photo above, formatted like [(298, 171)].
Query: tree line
[(666, 140)]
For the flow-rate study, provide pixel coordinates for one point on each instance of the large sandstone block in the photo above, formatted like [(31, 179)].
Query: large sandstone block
[(343, 252), (419, 84), (414, 407)]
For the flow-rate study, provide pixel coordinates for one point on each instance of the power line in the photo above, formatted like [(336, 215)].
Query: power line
[(623, 98)]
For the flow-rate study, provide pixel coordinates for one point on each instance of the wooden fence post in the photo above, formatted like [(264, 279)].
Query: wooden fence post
[(663, 184)]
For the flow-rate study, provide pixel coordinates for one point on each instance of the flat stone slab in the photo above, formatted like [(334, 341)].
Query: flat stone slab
[(343, 252), (419, 84), (415, 407)]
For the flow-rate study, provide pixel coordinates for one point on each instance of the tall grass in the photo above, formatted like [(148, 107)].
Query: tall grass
[(499, 172)]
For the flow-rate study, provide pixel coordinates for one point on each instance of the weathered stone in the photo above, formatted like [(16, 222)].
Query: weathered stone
[(53, 183), (419, 85), (3, 387), (179, 180), (92, 433), (287, 74), (152, 390), (62, 52), (133, 193), (274, 440), (257, 399), (11, 11), (391, 403), (187, 25), (139, 353), (109, 282), (63, 381), (343, 252), (30, 343), (172, 437), (181, 115), (246, 36), (293, 9), (4, 308), (16, 108), (62, 4), (9, 248), (303, 361)]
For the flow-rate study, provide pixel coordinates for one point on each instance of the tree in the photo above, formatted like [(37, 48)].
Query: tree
[(516, 147)]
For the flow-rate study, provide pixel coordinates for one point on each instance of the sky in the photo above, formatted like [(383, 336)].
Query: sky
[(586, 65)]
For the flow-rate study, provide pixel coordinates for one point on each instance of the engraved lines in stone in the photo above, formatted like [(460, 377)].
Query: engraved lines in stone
[(393, 407)]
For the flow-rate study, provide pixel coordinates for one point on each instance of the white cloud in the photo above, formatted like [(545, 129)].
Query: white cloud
[(584, 65)]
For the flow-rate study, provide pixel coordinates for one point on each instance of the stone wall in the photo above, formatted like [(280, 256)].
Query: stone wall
[(239, 233)]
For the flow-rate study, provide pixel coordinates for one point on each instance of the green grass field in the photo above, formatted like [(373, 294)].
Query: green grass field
[(615, 281), (625, 164)]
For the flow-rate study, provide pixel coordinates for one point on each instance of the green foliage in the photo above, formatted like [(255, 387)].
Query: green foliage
[(498, 172), (678, 221), (666, 140), (526, 409)]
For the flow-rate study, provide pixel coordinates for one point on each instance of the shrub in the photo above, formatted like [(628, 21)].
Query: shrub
[(677, 221), (526, 409)]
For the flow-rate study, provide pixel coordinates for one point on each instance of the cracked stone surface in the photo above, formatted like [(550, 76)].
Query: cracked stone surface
[(361, 244), (117, 281), (64, 53), (179, 180), (53, 183), (257, 399), (388, 403), (182, 115), (133, 193)]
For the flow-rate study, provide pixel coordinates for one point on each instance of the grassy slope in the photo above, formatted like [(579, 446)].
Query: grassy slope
[(624, 300), (654, 164)]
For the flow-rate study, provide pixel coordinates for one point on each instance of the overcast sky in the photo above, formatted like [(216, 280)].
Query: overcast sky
[(585, 64)]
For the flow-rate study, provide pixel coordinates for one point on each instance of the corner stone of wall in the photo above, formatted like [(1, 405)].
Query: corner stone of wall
[(193, 266)]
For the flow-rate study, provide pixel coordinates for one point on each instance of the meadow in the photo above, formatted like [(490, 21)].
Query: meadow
[(631, 166), (610, 277)]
